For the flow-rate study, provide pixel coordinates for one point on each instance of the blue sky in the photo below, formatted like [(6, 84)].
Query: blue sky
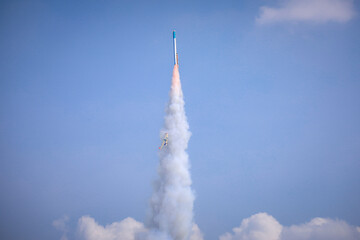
[(272, 101)]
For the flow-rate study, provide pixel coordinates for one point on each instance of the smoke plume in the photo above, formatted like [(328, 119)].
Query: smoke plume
[(171, 205), (172, 200)]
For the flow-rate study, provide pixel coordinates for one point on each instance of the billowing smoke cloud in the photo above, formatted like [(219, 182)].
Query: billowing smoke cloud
[(172, 201), (262, 226), (318, 11)]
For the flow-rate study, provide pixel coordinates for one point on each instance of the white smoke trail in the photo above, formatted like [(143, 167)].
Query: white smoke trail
[(172, 200), (171, 216)]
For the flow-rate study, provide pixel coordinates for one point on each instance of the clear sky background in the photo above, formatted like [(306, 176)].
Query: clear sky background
[(272, 101)]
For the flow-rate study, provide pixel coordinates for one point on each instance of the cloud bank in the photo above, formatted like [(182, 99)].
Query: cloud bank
[(262, 226), (316, 11)]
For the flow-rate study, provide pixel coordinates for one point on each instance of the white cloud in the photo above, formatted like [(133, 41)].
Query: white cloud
[(321, 229), (127, 229), (318, 11), (262, 226)]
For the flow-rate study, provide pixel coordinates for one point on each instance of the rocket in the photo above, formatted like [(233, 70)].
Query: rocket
[(176, 59)]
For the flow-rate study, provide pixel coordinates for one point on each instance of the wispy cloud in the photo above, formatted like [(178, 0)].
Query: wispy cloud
[(262, 226), (61, 225), (316, 11)]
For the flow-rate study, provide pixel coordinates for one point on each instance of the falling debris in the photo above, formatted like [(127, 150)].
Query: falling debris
[(164, 141)]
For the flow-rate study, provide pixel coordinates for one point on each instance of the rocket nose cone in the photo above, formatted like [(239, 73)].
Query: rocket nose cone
[(174, 34)]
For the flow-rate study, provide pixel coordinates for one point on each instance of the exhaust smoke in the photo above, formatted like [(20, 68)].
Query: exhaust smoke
[(172, 200)]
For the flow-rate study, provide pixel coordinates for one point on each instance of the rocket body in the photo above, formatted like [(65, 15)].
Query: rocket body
[(176, 60)]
